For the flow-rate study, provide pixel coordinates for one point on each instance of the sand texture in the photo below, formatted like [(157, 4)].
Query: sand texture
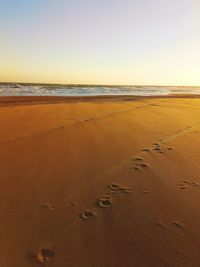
[(100, 183)]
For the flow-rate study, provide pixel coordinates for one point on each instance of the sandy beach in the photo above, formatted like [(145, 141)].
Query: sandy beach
[(99, 182)]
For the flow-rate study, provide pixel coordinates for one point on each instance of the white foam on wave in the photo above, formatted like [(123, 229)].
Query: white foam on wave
[(75, 90)]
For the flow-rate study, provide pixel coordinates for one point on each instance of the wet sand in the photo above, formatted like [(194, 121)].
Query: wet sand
[(100, 182)]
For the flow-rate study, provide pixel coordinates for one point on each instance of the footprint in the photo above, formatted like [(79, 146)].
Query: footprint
[(126, 190), (186, 182), (105, 201), (195, 184), (183, 186), (86, 214), (44, 255), (137, 158), (143, 164), (136, 168), (113, 193), (114, 187), (146, 149), (156, 146)]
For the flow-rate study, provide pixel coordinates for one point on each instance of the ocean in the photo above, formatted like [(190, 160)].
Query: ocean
[(10, 89)]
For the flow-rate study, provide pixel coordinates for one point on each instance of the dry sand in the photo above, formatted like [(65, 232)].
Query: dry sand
[(100, 183)]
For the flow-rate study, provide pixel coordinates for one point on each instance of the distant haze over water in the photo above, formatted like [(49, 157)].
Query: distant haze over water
[(8, 89)]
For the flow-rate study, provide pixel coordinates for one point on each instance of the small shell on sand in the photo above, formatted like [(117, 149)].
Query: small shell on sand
[(44, 255), (137, 158), (86, 214), (114, 186), (105, 201)]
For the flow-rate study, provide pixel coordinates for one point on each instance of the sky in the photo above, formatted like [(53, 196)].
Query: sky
[(139, 42)]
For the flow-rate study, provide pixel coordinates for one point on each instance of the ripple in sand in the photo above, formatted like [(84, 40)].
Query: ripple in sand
[(44, 255), (170, 148), (105, 201), (86, 214)]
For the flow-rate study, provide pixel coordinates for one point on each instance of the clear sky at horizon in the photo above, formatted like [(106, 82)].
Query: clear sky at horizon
[(100, 42)]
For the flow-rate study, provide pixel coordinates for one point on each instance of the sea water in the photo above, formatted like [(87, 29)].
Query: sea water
[(83, 90)]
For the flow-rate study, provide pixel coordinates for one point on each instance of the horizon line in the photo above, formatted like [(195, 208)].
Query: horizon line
[(88, 84)]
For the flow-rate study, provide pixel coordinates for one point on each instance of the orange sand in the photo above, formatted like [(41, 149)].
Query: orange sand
[(58, 159)]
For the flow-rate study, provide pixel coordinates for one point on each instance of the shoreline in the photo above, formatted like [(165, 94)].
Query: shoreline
[(30, 100)]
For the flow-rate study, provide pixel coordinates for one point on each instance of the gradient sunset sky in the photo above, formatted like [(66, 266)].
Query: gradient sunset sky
[(100, 41)]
